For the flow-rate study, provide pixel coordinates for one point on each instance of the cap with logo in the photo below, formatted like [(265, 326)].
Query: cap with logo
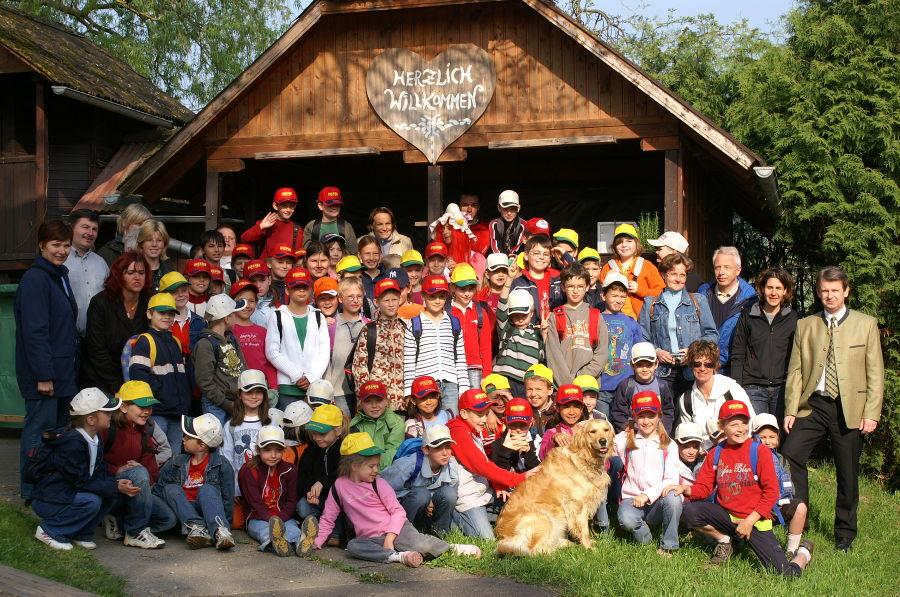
[(493, 382), (222, 305), (297, 276), (539, 370), (206, 428), (644, 402), (436, 435), (282, 252), (411, 257), (568, 393), (508, 198), (567, 235), (688, 432), (243, 251), (537, 226), (270, 434), (326, 285), (359, 443), (497, 261), (733, 408), (587, 383), (330, 196), (474, 399), (518, 410), (433, 284), (216, 273), (138, 393), (252, 378), (325, 418), (670, 239), (372, 389), (348, 263), (436, 249), (255, 267), (286, 195), (615, 278), (463, 275), (627, 230), (297, 414), (386, 285), (242, 285), (162, 301), (90, 400), (320, 392), (196, 267), (588, 254), (399, 274), (299, 253), (765, 420), (519, 301), (643, 351), (424, 385), (171, 281)]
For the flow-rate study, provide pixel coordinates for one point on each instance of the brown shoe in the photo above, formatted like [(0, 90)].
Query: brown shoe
[(721, 555), (332, 542)]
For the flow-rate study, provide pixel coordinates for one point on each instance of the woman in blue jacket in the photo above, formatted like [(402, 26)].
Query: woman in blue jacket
[(46, 339)]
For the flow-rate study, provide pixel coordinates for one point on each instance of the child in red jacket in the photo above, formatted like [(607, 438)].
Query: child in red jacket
[(277, 228), (744, 496)]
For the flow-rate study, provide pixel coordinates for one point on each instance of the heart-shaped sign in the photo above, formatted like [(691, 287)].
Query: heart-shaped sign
[(431, 103)]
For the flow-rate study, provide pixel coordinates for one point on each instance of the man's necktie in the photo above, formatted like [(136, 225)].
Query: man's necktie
[(831, 376)]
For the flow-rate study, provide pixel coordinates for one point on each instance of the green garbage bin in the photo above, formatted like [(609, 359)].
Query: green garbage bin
[(12, 407)]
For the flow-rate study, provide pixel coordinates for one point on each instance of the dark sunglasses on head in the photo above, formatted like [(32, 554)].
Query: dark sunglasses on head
[(702, 365)]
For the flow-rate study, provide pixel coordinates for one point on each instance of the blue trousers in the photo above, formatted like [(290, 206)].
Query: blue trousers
[(41, 415), (604, 402), (144, 509), (449, 395), (767, 399), (614, 492), (171, 426), (666, 511), (473, 522), (208, 406), (206, 510), (259, 531), (416, 501), (65, 522)]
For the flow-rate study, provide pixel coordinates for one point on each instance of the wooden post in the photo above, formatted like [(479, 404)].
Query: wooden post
[(435, 192), (213, 200), (673, 203), (41, 155)]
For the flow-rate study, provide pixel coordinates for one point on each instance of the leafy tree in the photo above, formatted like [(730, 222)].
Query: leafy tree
[(191, 48)]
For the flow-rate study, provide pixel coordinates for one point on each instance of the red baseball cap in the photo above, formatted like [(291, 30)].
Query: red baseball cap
[(255, 267), (733, 408), (424, 385), (325, 285), (436, 248), (644, 401), (537, 226), (282, 251), (217, 274), (286, 195), (474, 399), (242, 285), (569, 393), (518, 410), (297, 276), (195, 267), (330, 196), (245, 250), (299, 253), (432, 284), (386, 285), (372, 389)]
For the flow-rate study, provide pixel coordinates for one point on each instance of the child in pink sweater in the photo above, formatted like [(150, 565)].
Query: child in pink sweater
[(383, 533), (250, 336)]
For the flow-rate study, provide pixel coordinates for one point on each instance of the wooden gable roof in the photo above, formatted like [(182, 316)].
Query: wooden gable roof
[(69, 59)]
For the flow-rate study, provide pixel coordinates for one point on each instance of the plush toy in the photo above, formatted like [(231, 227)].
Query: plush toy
[(462, 239)]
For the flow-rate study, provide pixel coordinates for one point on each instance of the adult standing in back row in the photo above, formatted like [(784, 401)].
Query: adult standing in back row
[(672, 242), (835, 387)]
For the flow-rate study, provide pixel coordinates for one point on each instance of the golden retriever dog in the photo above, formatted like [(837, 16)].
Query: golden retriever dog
[(561, 498)]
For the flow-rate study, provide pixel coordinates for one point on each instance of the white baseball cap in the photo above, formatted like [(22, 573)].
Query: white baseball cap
[(297, 414), (436, 435), (688, 432), (670, 239), (206, 428), (252, 378), (712, 428), (496, 261), (643, 351), (276, 415), (519, 301), (612, 277), (320, 392), (764, 420), (222, 305), (509, 198), (270, 434), (90, 400)]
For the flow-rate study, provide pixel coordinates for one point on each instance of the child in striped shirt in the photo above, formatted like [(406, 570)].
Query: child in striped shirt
[(521, 342)]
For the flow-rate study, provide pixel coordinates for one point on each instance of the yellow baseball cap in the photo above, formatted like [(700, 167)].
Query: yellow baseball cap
[(463, 275), (162, 301), (587, 383), (350, 263), (567, 235), (588, 254), (359, 443), (325, 418), (494, 381), (520, 261), (539, 370), (627, 230), (412, 257), (171, 281), (138, 393)]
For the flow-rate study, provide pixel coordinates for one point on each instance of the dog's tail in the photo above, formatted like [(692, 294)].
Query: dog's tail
[(521, 538), (517, 545)]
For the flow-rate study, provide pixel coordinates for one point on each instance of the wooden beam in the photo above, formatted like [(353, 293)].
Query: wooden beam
[(660, 143), (226, 165), (455, 154), (553, 142), (12, 418), (316, 153), (435, 192), (212, 209), (673, 194), (41, 155), (369, 6)]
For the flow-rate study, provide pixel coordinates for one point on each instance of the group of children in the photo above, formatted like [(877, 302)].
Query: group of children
[(365, 399)]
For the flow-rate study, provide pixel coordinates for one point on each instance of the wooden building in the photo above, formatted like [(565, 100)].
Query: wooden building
[(580, 132), (72, 117)]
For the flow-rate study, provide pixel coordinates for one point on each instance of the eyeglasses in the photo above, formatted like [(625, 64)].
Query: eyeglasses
[(702, 365), (575, 287)]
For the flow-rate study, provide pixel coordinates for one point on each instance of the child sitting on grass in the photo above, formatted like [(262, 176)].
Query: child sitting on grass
[(383, 532), (689, 437)]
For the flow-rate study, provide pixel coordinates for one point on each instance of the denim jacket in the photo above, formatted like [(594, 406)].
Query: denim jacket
[(690, 326), (218, 473)]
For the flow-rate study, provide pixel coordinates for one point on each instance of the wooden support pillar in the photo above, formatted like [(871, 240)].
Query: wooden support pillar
[(213, 200), (435, 192), (673, 203), (41, 155)]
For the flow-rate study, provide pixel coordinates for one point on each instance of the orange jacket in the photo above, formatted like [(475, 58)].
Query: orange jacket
[(649, 282)]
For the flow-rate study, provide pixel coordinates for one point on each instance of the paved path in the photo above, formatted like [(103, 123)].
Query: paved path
[(179, 571)]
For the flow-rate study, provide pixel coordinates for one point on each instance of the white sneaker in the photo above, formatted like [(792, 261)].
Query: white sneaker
[(85, 544), (198, 537), (224, 540), (111, 528), (43, 537), (145, 540), (464, 549)]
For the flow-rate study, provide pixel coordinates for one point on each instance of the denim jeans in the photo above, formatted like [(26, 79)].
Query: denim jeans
[(206, 510), (767, 399), (473, 522), (416, 501), (259, 531), (144, 509), (449, 395), (77, 520), (613, 492), (208, 406), (171, 426), (604, 402), (666, 510), (41, 416), (304, 509)]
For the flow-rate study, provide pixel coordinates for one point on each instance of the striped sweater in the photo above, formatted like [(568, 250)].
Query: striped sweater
[(436, 352), (519, 349)]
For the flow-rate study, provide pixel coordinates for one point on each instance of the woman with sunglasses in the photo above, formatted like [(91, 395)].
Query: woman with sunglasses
[(710, 389)]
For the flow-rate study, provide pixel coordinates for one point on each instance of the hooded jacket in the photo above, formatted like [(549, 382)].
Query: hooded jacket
[(218, 362), (67, 470), (252, 482)]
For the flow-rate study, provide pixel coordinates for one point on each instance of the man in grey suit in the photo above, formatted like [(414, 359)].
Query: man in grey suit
[(834, 387)]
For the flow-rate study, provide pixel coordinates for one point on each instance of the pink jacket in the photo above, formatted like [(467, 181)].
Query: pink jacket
[(547, 442), (372, 514), (648, 468)]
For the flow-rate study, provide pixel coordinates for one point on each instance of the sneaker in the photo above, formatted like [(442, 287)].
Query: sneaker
[(790, 554), (810, 546), (721, 555), (224, 540), (85, 544), (309, 530), (111, 528), (43, 537), (413, 559), (145, 540), (198, 536), (464, 549), (276, 534)]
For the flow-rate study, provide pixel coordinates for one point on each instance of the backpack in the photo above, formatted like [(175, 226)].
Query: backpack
[(410, 446), (349, 531), (281, 326), (371, 336), (754, 462), (689, 404), (416, 323), (317, 227), (128, 349), (36, 462), (479, 310), (593, 324)]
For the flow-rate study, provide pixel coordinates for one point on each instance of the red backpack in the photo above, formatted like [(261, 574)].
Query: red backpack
[(593, 323)]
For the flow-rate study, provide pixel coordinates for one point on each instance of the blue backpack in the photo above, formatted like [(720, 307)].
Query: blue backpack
[(754, 462), (410, 446), (416, 323)]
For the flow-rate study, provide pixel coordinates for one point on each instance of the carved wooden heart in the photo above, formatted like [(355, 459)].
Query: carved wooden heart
[(431, 103)]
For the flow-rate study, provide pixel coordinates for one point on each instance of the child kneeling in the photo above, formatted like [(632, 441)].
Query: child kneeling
[(383, 533)]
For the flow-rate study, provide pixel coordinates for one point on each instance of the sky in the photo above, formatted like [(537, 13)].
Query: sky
[(760, 13)]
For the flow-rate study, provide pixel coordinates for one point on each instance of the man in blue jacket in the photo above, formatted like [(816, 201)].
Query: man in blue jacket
[(727, 298)]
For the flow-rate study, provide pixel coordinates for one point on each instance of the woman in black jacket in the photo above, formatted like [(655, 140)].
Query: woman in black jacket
[(115, 314), (762, 342)]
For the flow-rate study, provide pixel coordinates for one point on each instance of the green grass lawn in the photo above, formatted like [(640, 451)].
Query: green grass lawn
[(619, 567), (77, 568)]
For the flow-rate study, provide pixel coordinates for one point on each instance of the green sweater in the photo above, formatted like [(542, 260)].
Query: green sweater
[(387, 431), (519, 349)]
